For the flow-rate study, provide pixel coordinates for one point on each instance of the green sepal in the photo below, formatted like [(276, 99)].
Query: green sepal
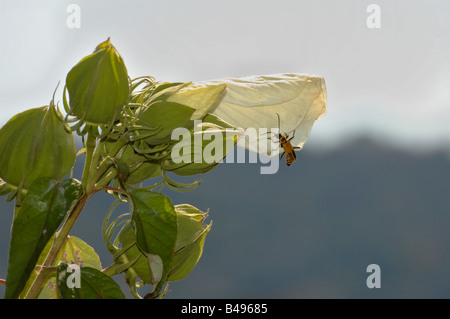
[(143, 172), (190, 240), (133, 167)]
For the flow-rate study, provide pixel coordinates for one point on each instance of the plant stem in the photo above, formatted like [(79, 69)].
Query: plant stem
[(90, 147), (106, 163), (117, 190), (57, 245), (105, 180), (110, 270), (92, 172)]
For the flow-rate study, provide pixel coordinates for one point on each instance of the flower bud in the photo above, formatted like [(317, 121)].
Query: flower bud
[(143, 172), (141, 267), (174, 105), (191, 234), (201, 149), (190, 240), (35, 144), (98, 86), (139, 167), (163, 117)]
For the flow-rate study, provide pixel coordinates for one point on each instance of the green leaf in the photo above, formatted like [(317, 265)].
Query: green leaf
[(93, 284), (155, 222), (34, 273), (75, 251), (149, 267), (44, 208)]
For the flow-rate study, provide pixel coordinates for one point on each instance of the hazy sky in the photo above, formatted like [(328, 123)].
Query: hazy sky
[(392, 82)]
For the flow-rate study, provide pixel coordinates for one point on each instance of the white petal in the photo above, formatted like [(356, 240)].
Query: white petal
[(253, 101), (200, 96)]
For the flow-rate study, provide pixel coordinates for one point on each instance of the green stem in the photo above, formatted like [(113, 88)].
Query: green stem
[(92, 172), (110, 174), (57, 245), (95, 163), (105, 164), (90, 147), (110, 270), (113, 189)]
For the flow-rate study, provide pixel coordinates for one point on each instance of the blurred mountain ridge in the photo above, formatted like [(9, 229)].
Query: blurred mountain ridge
[(310, 230)]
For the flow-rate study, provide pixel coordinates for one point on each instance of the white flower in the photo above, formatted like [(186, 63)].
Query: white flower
[(201, 96), (255, 101)]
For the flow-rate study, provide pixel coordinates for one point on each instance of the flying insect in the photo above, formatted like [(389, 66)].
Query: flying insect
[(285, 143)]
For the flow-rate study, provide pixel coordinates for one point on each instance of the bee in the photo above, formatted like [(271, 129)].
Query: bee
[(285, 143)]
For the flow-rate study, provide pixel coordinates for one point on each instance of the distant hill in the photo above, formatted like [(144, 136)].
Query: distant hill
[(311, 230)]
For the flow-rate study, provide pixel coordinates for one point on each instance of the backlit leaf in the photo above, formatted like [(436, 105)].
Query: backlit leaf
[(93, 284), (43, 210), (155, 222)]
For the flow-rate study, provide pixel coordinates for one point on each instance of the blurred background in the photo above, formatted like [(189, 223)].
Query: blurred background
[(371, 185)]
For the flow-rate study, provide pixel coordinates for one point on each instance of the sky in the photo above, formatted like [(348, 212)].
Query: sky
[(390, 82)]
